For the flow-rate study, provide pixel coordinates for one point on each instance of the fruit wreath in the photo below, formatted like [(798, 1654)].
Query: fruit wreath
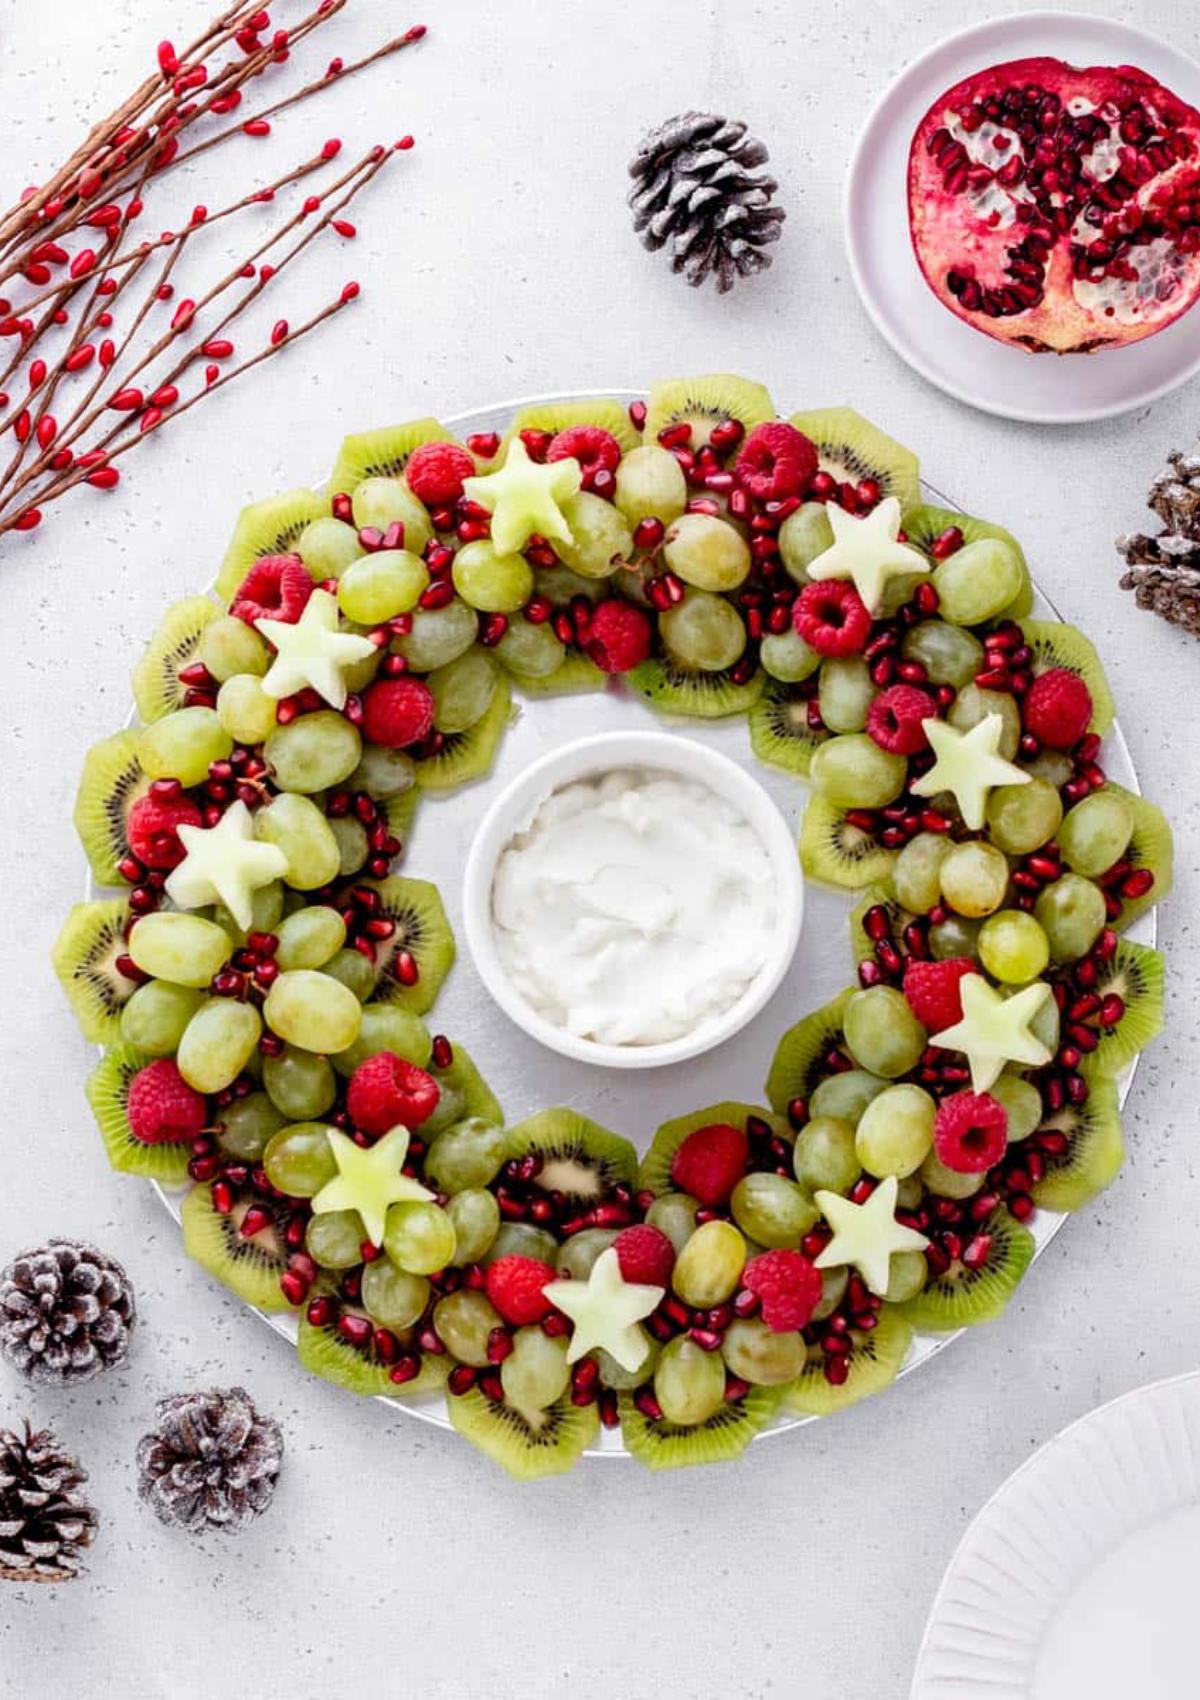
[(263, 982)]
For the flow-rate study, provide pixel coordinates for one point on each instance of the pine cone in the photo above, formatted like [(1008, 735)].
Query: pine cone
[(212, 1462), (1164, 571), (695, 187), (44, 1524), (66, 1311)]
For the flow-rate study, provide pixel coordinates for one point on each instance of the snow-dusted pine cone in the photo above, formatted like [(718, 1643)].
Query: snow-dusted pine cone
[(1164, 571), (66, 1311), (212, 1462), (44, 1522), (696, 188)]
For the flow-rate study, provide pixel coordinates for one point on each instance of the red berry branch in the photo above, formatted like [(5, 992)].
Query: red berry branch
[(106, 350)]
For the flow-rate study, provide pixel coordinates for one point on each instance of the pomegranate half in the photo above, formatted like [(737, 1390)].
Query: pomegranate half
[(1058, 208)]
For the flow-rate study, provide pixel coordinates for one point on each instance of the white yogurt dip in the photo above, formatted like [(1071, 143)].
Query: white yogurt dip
[(634, 908)]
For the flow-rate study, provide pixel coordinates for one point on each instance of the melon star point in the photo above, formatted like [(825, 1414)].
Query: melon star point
[(369, 1180), (865, 550), (524, 497), (969, 765), (224, 864), (312, 652), (866, 1235), (995, 1030), (606, 1310)]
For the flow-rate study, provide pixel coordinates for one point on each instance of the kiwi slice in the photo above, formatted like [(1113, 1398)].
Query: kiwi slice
[(401, 812), (529, 1444), (573, 675), (1056, 644), (469, 755), (421, 929), (1151, 846), (667, 1446), (654, 1174), (779, 731), (324, 1352), (383, 453), (176, 643), (836, 851), (672, 689), (963, 1296), (1094, 1155), (851, 449), (799, 1060), (875, 1362), (555, 416), (85, 959), (269, 527), (111, 782), (875, 897), (1134, 973), (108, 1094), (579, 1158), (465, 1094), (248, 1267), (705, 402), (923, 524)]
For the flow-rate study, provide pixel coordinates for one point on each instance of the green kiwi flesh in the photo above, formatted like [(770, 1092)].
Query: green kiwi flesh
[(961, 1297), (874, 1364), (779, 731), (528, 1445), (468, 755), (875, 897), (85, 959), (705, 402), (108, 1094), (1152, 846), (839, 853), (1056, 644), (654, 1173), (269, 527), (421, 929), (175, 645), (798, 1063), (1134, 973), (555, 416), (1094, 1155), (667, 1446), (671, 689), (851, 449), (579, 1158), (324, 1352), (248, 1267), (382, 453), (110, 784), (574, 675), (923, 524)]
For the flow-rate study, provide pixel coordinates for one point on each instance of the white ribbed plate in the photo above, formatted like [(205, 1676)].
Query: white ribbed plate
[(1077, 1581)]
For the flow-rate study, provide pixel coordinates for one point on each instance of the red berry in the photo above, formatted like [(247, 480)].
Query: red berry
[(514, 1285), (619, 635), (397, 712), (894, 719), (277, 587), (1058, 708), (595, 449), (386, 1092), (435, 473), (152, 829), (788, 1287), (932, 990), (832, 618), (161, 1107), (970, 1132), (776, 461), (710, 1162), (646, 1255)]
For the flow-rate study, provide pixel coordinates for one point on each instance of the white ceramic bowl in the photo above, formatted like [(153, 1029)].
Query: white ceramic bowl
[(512, 812)]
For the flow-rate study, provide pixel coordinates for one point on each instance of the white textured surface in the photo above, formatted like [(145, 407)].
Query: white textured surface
[(498, 260)]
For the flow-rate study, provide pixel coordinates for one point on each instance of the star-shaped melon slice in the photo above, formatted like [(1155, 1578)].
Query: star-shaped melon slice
[(606, 1310)]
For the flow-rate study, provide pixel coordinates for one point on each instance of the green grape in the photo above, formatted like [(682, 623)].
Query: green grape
[(600, 541), (184, 949), (615, 1375), (419, 1237), (707, 552), (299, 1159), (1054, 766), (689, 1383), (245, 1126), (833, 1291), (229, 646), (974, 878), (387, 1027), (577, 1256), (314, 751), (327, 546), (1021, 818), (1046, 1024), (907, 1275), (377, 587), (462, 691), (709, 1266), (703, 631), (896, 1131), (266, 906), (916, 875), (949, 655), (154, 1018), (972, 705), (183, 745), (650, 485), (674, 1214), (1013, 947), (392, 1297), (438, 636), (335, 1239), (845, 693), (908, 1192), (882, 1033), (1096, 833), (802, 537), (301, 831), (383, 773), (1022, 1104), (358, 674), (1072, 913), (758, 1355), (301, 1084), (786, 656), (536, 1372), (470, 1154), (380, 502), (825, 1154), (217, 1044), (245, 710), (955, 936), (561, 585), (308, 1009), (521, 1239), (476, 1217), (772, 1210), (844, 1096), (530, 649), (352, 969), (948, 1183), (978, 581), (852, 772), (491, 582), (353, 844), (310, 937), (465, 1320)]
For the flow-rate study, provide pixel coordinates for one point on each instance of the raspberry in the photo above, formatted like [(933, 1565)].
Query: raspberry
[(894, 719), (161, 1107), (435, 473), (514, 1285), (618, 637), (970, 1132), (932, 991), (386, 1092), (832, 618), (788, 1287), (646, 1255), (596, 450), (776, 461), (277, 587), (152, 829), (397, 712), (710, 1162), (1058, 708)]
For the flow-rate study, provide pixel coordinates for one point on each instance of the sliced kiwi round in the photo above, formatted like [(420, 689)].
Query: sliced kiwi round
[(836, 851), (960, 1296), (923, 524), (85, 959), (1135, 974), (667, 1446), (672, 689), (875, 1362), (464, 1094), (1151, 846), (1093, 1156), (469, 755), (175, 645), (580, 1158), (574, 675), (779, 731), (383, 453), (528, 1444), (269, 527), (705, 402), (108, 1094), (851, 449), (555, 416), (875, 897), (654, 1174), (401, 813), (250, 1267), (1056, 644), (423, 931), (325, 1352), (798, 1063), (110, 784)]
